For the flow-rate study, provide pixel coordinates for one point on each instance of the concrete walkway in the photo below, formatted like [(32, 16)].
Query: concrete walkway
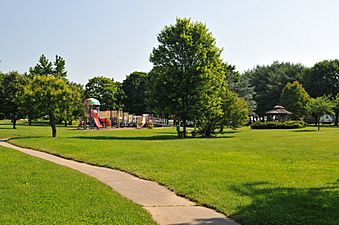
[(164, 205)]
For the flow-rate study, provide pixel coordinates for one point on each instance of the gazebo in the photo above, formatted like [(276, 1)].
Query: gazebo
[(278, 113)]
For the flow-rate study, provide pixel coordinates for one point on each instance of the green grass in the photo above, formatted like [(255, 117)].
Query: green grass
[(33, 191), (253, 176)]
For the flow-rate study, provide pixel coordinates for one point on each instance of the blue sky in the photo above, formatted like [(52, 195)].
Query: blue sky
[(115, 38)]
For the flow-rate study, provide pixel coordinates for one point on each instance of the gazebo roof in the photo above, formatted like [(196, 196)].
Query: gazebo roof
[(278, 110)]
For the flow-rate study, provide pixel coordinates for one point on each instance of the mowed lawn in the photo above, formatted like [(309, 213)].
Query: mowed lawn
[(253, 176), (33, 191)]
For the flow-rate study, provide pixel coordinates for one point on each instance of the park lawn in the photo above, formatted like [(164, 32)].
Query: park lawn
[(34, 191), (253, 176)]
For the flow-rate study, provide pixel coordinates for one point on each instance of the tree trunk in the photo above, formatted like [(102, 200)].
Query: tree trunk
[(65, 123), (336, 119), (14, 119), (30, 121), (184, 128), (221, 129), (318, 122), (52, 123)]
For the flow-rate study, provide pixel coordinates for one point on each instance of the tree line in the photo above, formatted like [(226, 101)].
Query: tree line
[(189, 82)]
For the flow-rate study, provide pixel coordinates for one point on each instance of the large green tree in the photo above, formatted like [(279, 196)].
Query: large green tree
[(106, 90), (294, 98), (134, 87), (11, 94), (270, 80), (50, 94), (188, 74), (320, 106), (323, 79)]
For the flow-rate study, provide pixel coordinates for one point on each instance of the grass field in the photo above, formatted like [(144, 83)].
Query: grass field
[(253, 176), (33, 191)]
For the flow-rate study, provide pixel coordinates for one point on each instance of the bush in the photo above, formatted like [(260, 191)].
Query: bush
[(278, 125), (150, 126)]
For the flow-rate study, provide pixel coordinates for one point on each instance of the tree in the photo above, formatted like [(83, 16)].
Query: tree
[(323, 79), (269, 82), (30, 107), (73, 106), (320, 106), (188, 74), (50, 94), (45, 67), (236, 111), (294, 98), (59, 67), (12, 88), (106, 90), (134, 87), (240, 84)]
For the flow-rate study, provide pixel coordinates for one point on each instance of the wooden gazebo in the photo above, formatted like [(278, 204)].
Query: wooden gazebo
[(278, 113)]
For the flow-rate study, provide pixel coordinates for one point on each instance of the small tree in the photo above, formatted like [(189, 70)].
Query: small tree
[(11, 93), (50, 94), (294, 98), (318, 107), (236, 111)]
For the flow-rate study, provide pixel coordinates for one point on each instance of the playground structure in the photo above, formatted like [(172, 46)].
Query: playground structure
[(94, 118)]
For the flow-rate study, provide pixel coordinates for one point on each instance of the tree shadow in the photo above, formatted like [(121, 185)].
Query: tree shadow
[(210, 221), (304, 131), (293, 206), (29, 137), (146, 138), (6, 128)]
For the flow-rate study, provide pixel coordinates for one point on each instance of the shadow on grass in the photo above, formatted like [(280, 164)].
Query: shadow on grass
[(29, 137), (304, 131), (145, 138), (6, 128), (293, 206)]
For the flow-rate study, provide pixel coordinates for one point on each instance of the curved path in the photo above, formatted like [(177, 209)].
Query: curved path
[(164, 205)]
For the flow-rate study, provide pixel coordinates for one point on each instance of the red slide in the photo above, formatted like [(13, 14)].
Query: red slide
[(97, 122), (95, 118)]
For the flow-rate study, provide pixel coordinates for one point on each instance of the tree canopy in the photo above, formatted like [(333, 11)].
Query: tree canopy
[(134, 87), (320, 106), (50, 94), (106, 90), (12, 87), (188, 74), (323, 79), (45, 67), (270, 80), (294, 98)]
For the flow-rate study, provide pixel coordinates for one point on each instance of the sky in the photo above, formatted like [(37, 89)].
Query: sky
[(114, 38)]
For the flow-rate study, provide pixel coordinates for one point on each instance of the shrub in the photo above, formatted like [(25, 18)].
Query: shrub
[(278, 125), (150, 126)]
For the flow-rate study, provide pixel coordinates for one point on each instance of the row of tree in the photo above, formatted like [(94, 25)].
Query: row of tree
[(268, 81), (189, 82)]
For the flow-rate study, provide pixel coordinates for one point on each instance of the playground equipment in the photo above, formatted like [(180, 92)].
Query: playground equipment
[(91, 116), (94, 118)]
